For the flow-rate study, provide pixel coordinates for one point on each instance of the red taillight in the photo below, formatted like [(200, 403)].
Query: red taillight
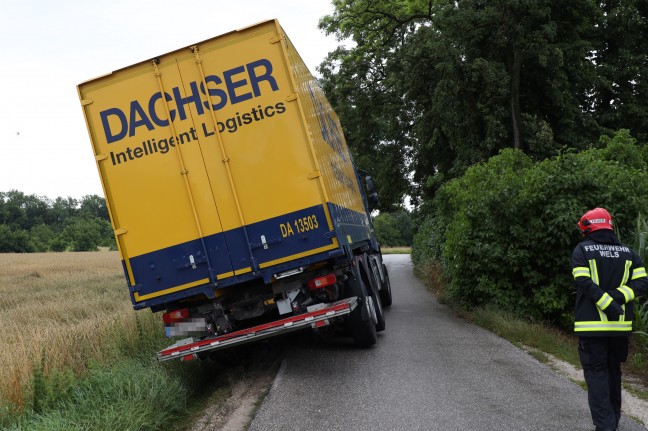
[(319, 282), (175, 315)]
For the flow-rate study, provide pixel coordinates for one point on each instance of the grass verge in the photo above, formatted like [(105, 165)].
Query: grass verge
[(396, 250), (130, 394), (538, 335)]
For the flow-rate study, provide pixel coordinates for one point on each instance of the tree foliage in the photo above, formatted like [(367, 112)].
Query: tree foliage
[(394, 229), (29, 223), (505, 230), (428, 88)]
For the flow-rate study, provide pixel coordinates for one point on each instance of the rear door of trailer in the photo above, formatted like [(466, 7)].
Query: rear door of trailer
[(207, 164)]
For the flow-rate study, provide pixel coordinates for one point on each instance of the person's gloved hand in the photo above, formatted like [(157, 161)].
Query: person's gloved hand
[(613, 311), (617, 296)]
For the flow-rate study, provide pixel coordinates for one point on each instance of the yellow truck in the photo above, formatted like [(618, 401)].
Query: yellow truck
[(236, 206)]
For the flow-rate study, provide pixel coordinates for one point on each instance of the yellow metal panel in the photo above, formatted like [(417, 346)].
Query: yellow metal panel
[(332, 154), (261, 132), (142, 175)]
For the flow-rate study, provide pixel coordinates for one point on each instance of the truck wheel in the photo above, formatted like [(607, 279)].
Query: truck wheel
[(377, 303), (380, 313), (385, 292), (362, 319)]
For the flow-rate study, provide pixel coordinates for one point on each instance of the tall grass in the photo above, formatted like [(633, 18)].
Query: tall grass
[(126, 396), (75, 355), (640, 244), (64, 307)]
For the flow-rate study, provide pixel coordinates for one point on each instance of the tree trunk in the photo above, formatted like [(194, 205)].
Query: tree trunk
[(515, 68)]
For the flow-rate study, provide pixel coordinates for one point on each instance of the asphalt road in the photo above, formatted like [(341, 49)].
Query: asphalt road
[(428, 371)]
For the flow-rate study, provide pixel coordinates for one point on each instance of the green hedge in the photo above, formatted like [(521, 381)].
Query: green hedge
[(504, 231), (394, 229)]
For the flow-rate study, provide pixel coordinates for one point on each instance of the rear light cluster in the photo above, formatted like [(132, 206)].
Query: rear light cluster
[(176, 315), (320, 282)]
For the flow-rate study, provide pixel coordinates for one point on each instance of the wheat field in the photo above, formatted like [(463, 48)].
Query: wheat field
[(67, 308)]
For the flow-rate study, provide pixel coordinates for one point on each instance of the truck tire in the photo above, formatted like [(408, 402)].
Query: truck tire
[(385, 291), (363, 324), (374, 290), (380, 313)]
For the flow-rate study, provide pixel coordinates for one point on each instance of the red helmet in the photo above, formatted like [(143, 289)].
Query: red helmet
[(594, 220)]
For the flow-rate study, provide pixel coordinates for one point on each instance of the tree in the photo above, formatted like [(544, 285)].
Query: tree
[(59, 243), (41, 237), (394, 229), (83, 234), (369, 121), (12, 208), (94, 206), (386, 230), (619, 93), (14, 240), (32, 223), (450, 84), (62, 209)]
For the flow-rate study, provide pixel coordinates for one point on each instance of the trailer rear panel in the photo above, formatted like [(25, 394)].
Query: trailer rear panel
[(220, 163)]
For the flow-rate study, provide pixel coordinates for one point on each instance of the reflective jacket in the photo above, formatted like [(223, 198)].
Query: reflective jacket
[(601, 265)]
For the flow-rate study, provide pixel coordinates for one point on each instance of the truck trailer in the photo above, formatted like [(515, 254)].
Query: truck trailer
[(237, 209)]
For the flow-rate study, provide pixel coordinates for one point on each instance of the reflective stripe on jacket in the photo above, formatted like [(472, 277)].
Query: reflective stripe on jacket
[(600, 269)]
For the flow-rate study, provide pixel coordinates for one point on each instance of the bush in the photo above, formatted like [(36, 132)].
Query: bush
[(504, 231), (428, 241), (14, 240), (394, 229), (84, 234), (41, 236)]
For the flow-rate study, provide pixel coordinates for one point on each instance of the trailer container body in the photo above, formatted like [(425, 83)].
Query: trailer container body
[(225, 170)]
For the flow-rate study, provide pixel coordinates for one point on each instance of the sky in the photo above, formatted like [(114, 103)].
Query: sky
[(48, 47)]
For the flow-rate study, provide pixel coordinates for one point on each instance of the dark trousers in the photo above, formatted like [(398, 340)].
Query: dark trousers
[(601, 358)]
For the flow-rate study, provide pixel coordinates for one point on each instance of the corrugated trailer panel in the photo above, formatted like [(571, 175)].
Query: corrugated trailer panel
[(270, 164), (220, 163), (334, 159), (161, 214)]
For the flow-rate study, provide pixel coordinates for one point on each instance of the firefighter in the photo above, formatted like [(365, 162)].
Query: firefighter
[(608, 276)]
